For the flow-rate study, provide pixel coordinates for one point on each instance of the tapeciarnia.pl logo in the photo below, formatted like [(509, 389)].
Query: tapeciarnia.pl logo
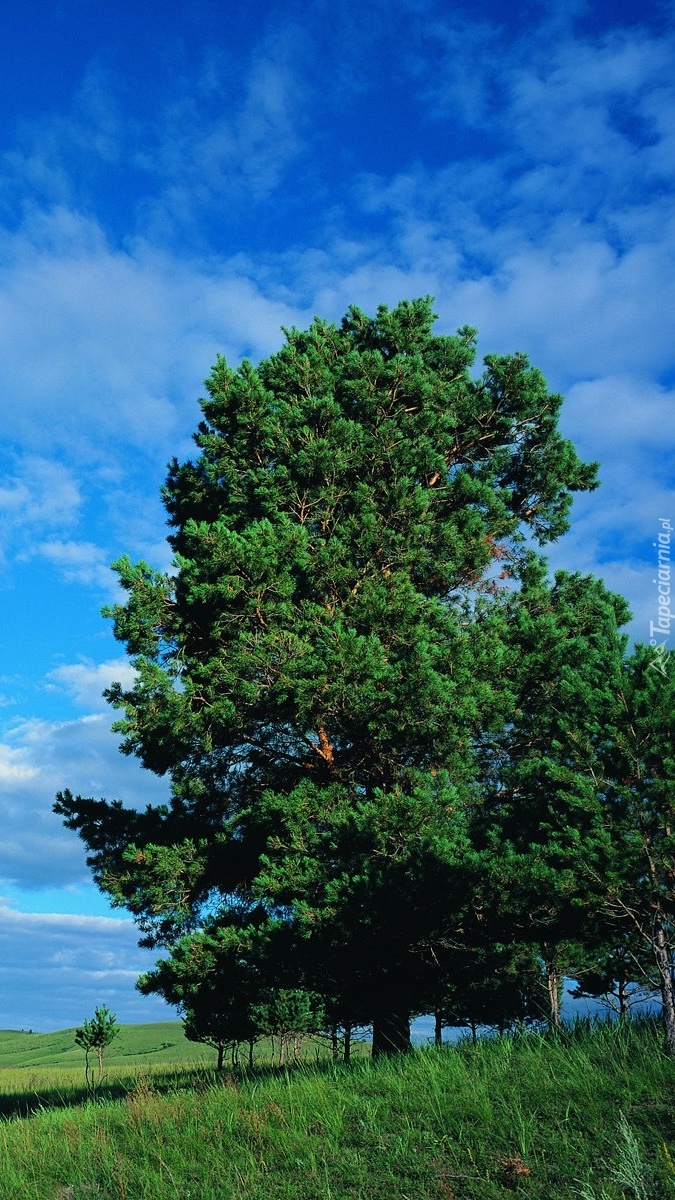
[(659, 630)]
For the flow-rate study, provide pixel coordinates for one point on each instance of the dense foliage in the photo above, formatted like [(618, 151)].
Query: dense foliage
[(386, 733)]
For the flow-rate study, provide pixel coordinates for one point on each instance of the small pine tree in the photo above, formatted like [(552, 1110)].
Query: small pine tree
[(95, 1035)]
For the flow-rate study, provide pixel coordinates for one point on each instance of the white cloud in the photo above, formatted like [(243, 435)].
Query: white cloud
[(40, 494), (583, 311), (77, 562), (63, 921), (229, 135), (589, 115), (39, 758), (470, 56), (641, 417), (86, 681), (570, 105), (56, 158), (15, 767), (56, 968), (626, 423), (118, 341)]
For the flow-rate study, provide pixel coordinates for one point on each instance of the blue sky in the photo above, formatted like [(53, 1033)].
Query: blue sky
[(181, 180)]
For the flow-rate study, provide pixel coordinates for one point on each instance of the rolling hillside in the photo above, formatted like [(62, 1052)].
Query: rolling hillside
[(158, 1042)]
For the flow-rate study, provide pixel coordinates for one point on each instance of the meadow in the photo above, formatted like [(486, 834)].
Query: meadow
[(586, 1114)]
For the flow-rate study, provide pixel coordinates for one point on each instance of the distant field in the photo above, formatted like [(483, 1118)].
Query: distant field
[(159, 1042)]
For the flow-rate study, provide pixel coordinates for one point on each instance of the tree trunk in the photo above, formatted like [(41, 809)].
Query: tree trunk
[(391, 1034), (438, 1027), (622, 994), (250, 1054), (667, 986), (553, 991), (348, 1043), (221, 1052)]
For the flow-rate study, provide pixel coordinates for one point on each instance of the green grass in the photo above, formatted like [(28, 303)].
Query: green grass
[(589, 1115)]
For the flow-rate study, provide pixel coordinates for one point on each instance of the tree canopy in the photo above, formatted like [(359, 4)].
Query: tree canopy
[(320, 674)]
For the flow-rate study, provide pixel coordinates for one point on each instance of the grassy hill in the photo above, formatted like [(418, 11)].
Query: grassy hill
[(584, 1116), (159, 1042)]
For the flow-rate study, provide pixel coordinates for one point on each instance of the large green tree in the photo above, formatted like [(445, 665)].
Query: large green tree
[(638, 761), (577, 817), (310, 675), (542, 824)]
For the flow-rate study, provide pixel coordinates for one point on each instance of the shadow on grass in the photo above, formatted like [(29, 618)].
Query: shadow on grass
[(604, 1036), (34, 1098)]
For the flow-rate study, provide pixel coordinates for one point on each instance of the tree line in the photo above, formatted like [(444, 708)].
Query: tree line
[(409, 771)]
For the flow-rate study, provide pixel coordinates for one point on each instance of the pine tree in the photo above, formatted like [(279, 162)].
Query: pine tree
[(638, 759), (309, 676), (95, 1035), (543, 819)]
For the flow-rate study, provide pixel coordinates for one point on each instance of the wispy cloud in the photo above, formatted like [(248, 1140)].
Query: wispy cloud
[(117, 340), (38, 758), (15, 767), (76, 562), (213, 147), (86, 681), (41, 492), (55, 968), (58, 158), (37, 495), (118, 343)]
